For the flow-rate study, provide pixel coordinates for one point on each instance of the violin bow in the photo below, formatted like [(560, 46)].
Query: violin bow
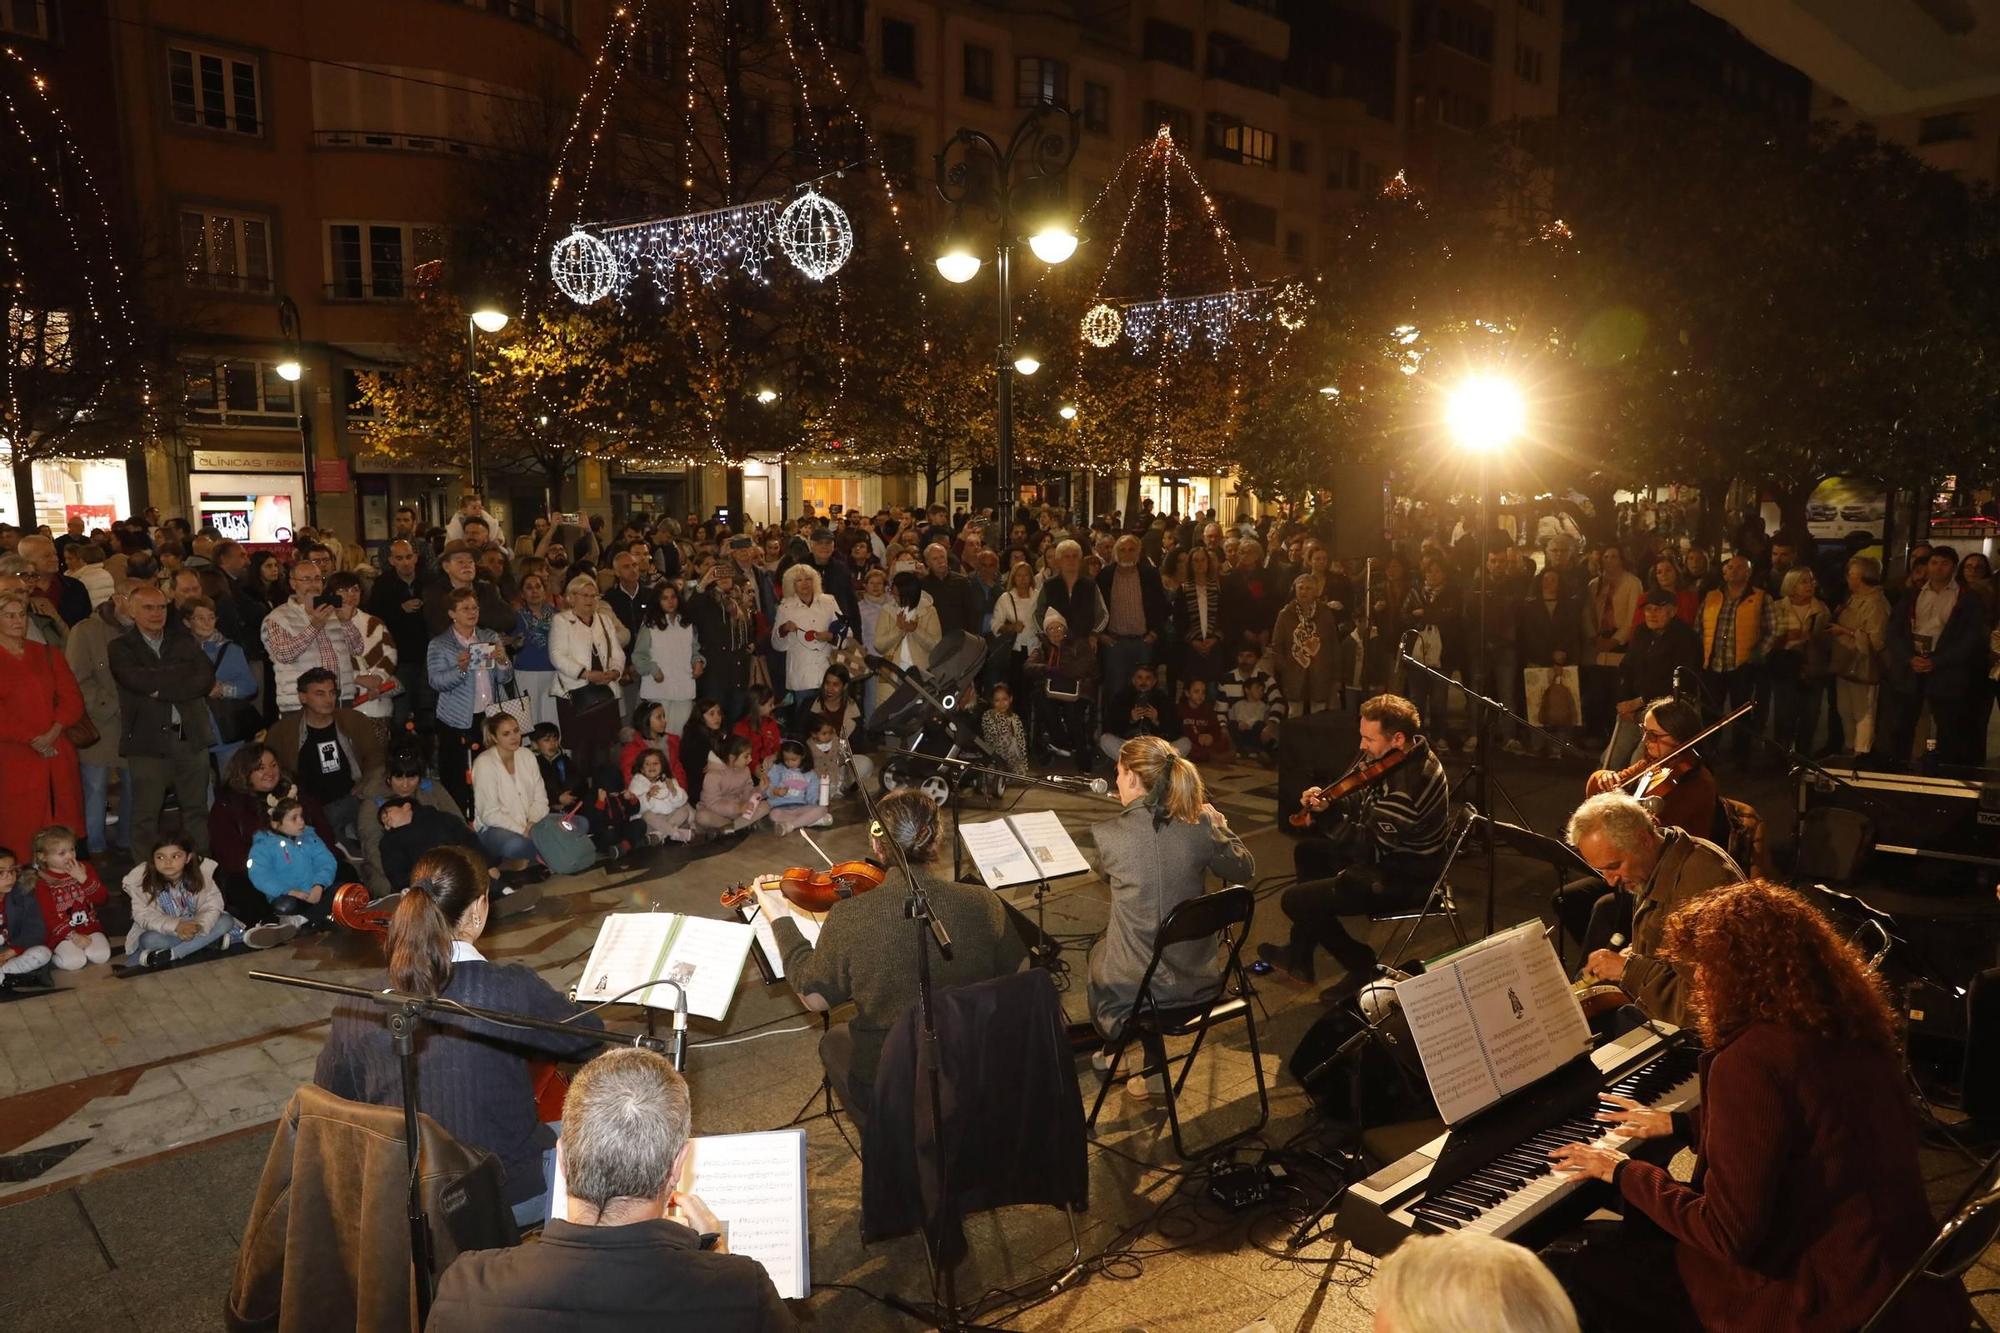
[(1686, 746), (817, 848)]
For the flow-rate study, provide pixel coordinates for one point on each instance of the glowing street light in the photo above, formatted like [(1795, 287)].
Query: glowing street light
[(1067, 411), (1053, 243), (289, 371), (1484, 413), (767, 395), (489, 320), (1027, 363), (958, 263)]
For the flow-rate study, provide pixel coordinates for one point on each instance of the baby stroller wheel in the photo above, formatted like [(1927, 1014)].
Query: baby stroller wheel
[(936, 788)]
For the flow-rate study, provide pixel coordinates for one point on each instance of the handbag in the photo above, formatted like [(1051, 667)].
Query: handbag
[(564, 844), (83, 734), (514, 705), (589, 698)]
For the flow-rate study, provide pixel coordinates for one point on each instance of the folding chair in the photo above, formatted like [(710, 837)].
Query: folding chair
[(1227, 913), (1972, 1224), (1437, 902)]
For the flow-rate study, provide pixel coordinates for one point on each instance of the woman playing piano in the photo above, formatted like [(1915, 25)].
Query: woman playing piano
[(1807, 1203)]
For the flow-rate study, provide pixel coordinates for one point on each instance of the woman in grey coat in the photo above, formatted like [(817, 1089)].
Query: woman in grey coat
[(1156, 854)]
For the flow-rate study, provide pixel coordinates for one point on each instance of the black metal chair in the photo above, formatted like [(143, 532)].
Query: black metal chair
[(1969, 1228), (1226, 913), (1437, 902)]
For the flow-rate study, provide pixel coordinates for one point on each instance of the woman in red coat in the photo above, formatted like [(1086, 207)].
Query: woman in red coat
[(39, 781), (1807, 1204)]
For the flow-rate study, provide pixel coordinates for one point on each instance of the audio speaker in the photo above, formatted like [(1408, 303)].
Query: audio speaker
[(1980, 1075), (1312, 751), (1384, 1073), (1357, 510)]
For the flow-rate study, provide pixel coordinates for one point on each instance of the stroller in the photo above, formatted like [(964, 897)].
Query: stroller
[(930, 711)]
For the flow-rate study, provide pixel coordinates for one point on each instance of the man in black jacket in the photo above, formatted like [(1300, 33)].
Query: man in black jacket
[(163, 682), (461, 570), (1136, 610), (1935, 657), (958, 602), (631, 1252), (397, 600), (1142, 708), (1662, 645)]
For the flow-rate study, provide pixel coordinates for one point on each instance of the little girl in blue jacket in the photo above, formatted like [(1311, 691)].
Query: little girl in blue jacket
[(292, 867)]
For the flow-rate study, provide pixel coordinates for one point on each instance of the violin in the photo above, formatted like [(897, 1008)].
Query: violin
[(1368, 773), (353, 908), (817, 890), (1656, 777)]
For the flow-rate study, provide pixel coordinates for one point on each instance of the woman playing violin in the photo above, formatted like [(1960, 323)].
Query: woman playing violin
[(1684, 790), (864, 951)]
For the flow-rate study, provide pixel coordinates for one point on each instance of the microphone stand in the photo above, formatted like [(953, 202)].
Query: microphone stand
[(1074, 786), (406, 1014), (917, 907)]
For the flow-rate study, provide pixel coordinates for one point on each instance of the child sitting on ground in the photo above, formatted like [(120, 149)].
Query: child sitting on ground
[(760, 729), (663, 803), (613, 818), (24, 952), (649, 732), (1198, 720), (1000, 727), (729, 796), (177, 909), (410, 828), (70, 893), (1249, 722), (793, 790), (293, 868)]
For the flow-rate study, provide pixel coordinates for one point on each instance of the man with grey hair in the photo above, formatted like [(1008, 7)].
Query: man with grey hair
[(1442, 1284), (631, 1252), (1653, 870)]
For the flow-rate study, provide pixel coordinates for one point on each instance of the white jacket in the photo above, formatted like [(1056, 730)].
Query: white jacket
[(657, 796), (512, 801), (570, 642), (805, 659), (146, 913)]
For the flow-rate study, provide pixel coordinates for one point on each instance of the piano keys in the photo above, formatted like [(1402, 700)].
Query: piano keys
[(1492, 1174)]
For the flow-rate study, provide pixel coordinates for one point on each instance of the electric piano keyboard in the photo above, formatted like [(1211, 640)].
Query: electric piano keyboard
[(1492, 1173)]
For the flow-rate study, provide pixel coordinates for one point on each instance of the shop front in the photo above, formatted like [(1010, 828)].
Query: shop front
[(96, 490), (253, 496), (660, 488)]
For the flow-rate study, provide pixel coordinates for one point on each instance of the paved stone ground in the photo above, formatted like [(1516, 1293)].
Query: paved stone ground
[(135, 1114)]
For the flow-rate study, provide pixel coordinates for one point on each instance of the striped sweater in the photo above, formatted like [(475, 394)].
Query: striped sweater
[(1407, 813)]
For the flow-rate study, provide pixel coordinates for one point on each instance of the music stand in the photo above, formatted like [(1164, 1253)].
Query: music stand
[(1561, 858)]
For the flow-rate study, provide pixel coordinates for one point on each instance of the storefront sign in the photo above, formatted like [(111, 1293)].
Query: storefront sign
[(234, 460), (93, 516), (330, 476)]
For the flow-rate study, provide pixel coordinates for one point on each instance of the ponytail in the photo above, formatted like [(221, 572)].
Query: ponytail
[(1173, 784), (444, 884)]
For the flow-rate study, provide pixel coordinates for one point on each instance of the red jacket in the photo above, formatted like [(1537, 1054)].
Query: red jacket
[(70, 905), (638, 745), (763, 735), (1807, 1203)]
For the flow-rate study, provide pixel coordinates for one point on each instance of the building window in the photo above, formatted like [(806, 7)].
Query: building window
[(1300, 152), (1232, 141), (899, 49), (354, 397), (1467, 33), (1041, 82), (1295, 245), (1250, 221), (29, 18), (1527, 63), (1096, 108), (1236, 61), (374, 261), (228, 252), (1944, 128), (979, 72), (1169, 43), (1178, 120), (1372, 177), (651, 55), (839, 22), (899, 157), (1343, 169), (1459, 111), (239, 393), (214, 91), (38, 339)]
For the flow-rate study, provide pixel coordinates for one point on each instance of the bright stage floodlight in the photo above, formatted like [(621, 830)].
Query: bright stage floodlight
[(1484, 413)]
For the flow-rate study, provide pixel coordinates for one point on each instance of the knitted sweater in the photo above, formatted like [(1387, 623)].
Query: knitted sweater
[(472, 1077), (69, 903)]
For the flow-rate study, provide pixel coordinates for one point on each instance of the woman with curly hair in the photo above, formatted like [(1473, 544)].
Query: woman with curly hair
[(1806, 1203)]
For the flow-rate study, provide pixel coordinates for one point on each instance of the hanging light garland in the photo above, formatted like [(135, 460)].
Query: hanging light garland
[(1102, 324)]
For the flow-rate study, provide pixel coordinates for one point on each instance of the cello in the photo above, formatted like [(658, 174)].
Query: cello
[(355, 909)]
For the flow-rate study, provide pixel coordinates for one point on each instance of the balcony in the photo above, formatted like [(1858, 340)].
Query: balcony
[(392, 141)]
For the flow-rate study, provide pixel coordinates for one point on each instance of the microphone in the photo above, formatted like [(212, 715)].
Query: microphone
[(680, 1055), (1408, 648)]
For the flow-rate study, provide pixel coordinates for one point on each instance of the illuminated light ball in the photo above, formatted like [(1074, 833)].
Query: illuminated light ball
[(1102, 324), (815, 235), (1484, 413), (1289, 306), (583, 267)]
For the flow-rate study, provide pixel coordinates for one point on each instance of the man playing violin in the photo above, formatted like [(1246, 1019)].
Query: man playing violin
[(1376, 849), (863, 954)]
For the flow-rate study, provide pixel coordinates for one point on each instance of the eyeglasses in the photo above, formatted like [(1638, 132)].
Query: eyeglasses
[(1653, 735)]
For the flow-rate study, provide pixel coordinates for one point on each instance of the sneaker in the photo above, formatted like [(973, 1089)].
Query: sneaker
[(296, 922), (1145, 1089), (272, 933), (1282, 959), (156, 958), (824, 821), (232, 941)]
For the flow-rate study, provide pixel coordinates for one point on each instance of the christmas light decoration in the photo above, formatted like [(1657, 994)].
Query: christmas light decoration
[(815, 235), (1186, 320), (1290, 304), (583, 267), (1102, 324)]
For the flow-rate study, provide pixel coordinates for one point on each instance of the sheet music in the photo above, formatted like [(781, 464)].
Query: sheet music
[(770, 905), (755, 1184), (633, 948), (1493, 1019), (1021, 849)]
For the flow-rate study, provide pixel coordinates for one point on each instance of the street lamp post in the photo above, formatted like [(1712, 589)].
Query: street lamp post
[(486, 319), (1043, 145), (292, 371)]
